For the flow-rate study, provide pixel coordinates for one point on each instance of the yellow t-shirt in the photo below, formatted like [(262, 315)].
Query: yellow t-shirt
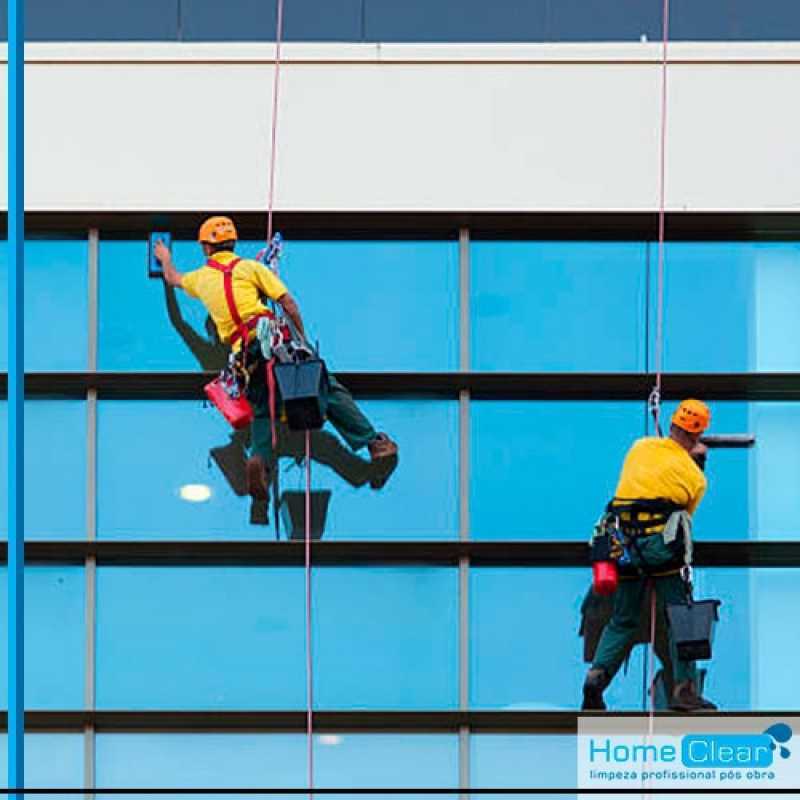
[(660, 468), (251, 280)]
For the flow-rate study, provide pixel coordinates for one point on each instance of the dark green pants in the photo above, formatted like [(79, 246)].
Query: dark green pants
[(343, 414), (631, 598)]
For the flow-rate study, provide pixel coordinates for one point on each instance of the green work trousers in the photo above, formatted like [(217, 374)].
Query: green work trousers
[(631, 598), (343, 413)]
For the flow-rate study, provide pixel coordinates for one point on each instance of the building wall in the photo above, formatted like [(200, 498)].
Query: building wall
[(122, 127)]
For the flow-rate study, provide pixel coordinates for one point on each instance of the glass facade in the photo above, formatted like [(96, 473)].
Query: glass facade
[(409, 626)]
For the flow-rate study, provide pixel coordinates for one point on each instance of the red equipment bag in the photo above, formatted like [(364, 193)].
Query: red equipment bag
[(230, 401), (604, 577), (224, 392)]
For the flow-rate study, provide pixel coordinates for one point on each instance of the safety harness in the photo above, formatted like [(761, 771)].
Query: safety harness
[(624, 522), (237, 368)]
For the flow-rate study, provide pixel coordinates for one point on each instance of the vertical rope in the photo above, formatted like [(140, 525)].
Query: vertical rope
[(309, 660), (654, 401), (275, 97)]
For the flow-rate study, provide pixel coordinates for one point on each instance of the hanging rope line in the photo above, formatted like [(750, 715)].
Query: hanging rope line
[(654, 401), (274, 263), (309, 660), (276, 81)]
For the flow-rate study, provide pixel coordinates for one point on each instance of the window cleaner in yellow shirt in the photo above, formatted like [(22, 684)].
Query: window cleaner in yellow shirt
[(252, 281), (660, 476)]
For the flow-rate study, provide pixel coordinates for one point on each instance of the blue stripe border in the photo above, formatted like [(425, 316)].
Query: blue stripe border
[(16, 392)]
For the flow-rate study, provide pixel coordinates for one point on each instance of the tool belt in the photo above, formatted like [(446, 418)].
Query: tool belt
[(621, 529)]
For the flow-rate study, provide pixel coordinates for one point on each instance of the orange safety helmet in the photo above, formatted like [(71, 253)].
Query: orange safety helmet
[(692, 416), (217, 229)]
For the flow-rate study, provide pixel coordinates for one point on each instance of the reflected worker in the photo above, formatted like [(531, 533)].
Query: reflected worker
[(661, 486), (252, 281)]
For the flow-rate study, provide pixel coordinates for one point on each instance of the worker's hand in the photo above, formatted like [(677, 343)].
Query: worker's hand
[(699, 454), (161, 252)]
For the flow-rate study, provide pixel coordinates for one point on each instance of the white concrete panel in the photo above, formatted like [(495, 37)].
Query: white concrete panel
[(448, 127)]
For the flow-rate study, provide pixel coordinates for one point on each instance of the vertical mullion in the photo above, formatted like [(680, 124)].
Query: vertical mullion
[(90, 655), (16, 393), (463, 504)]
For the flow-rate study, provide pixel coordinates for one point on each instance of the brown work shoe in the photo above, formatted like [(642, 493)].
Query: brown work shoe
[(595, 684), (257, 479), (685, 698), (383, 452)]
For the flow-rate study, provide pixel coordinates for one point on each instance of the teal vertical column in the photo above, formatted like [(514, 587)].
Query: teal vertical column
[(16, 393)]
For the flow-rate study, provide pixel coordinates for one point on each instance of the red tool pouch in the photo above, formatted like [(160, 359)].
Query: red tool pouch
[(235, 408)]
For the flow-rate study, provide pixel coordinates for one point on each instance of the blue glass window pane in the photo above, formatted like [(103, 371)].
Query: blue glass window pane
[(167, 445), (54, 635), (545, 470), (511, 761), (558, 306), (508, 670), (361, 761), (146, 325), (774, 496), (374, 306), (247, 760), (200, 638), (747, 308), (56, 302), (55, 457), (51, 760), (386, 637), (195, 760)]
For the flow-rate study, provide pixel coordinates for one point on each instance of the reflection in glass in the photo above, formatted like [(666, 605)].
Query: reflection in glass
[(508, 626), (149, 450), (362, 300)]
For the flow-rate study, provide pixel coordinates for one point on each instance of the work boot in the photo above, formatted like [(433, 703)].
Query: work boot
[(383, 452), (686, 699), (257, 478), (593, 687)]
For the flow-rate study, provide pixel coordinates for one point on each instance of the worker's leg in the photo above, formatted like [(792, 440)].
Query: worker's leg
[(347, 417), (622, 627), (615, 642), (259, 465)]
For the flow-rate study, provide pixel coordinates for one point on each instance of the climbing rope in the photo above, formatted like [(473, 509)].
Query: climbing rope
[(654, 400), (274, 247), (276, 82)]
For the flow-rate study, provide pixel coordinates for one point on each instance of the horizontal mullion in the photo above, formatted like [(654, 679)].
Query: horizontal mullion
[(534, 225), (481, 385), (538, 722), (448, 553)]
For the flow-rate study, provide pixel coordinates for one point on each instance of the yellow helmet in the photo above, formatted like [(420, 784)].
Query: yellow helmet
[(692, 416), (217, 229)]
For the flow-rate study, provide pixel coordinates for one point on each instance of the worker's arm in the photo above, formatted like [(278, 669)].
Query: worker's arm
[(171, 275), (291, 309)]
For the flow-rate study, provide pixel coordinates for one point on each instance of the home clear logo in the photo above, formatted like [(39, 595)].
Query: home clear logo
[(616, 754), (743, 751)]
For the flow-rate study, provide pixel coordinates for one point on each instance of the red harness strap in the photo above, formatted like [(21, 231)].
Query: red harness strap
[(243, 330)]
